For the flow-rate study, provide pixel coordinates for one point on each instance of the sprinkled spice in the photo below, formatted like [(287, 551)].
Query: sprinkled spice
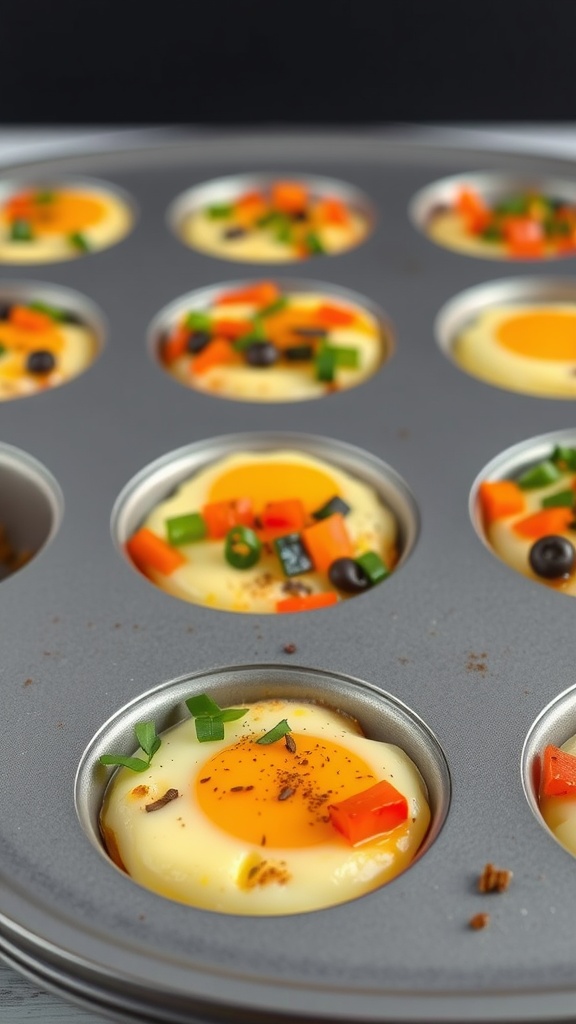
[(286, 793), (169, 796), (290, 743), (206, 778)]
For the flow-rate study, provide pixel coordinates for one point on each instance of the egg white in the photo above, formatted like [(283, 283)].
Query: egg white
[(208, 579), (478, 351), (114, 225), (287, 382), (178, 853), (200, 231), (515, 550)]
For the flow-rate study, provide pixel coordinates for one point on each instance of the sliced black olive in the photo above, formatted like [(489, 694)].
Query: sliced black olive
[(310, 332), (197, 341), (345, 574), (5, 308), (552, 557), (261, 353), (234, 232), (299, 353), (40, 361)]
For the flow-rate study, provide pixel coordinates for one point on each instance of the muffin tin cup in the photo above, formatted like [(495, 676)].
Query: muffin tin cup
[(555, 724), (31, 503)]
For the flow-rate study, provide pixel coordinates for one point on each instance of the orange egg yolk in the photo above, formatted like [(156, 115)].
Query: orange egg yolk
[(275, 481), (540, 335), (269, 796), (63, 213)]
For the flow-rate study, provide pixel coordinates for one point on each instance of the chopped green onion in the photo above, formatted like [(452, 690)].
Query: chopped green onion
[(209, 718), (59, 315), (513, 205), (373, 566), (563, 457), (292, 554), (3, 349), (543, 473), (325, 363), (313, 244), (148, 740), (197, 321), (44, 197), (284, 233), (345, 355), (219, 211), (186, 529), (21, 230), (274, 307), (335, 504), (257, 333), (79, 241), (242, 547), (279, 730), (562, 499), (492, 233)]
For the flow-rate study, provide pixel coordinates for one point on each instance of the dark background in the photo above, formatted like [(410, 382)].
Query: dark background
[(254, 62)]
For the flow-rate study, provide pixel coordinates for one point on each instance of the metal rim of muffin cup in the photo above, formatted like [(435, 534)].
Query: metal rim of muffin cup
[(201, 300), (227, 189), (161, 478), (460, 311), (381, 715), (29, 179), (31, 503), (491, 185), (84, 310), (507, 465), (555, 724)]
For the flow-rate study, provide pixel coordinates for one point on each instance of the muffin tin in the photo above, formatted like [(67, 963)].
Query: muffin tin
[(453, 639)]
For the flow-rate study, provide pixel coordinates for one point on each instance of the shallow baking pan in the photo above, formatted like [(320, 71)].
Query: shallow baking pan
[(454, 654)]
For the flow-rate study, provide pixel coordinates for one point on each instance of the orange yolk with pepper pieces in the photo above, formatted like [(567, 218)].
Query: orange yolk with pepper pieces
[(275, 797), (64, 212), (546, 334), (272, 481)]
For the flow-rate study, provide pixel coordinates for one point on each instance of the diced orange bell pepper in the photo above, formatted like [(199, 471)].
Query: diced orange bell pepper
[(558, 773), (331, 211), (175, 344), (250, 207), (499, 498), (149, 551), (368, 814), (472, 208), (334, 316), (231, 329), (308, 603), (525, 237), (542, 524), (327, 540), (289, 196), (281, 517), (263, 293), (221, 516), (218, 352), (29, 319)]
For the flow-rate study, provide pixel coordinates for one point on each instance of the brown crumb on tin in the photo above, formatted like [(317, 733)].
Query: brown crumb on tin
[(479, 921), (289, 648), (494, 879), (28, 682), (477, 663)]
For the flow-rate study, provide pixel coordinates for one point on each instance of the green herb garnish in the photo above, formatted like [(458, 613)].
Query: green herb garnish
[(562, 499), (219, 211), (197, 321), (279, 730), (313, 244), (148, 740), (564, 457), (79, 241), (209, 717), (186, 529), (52, 311), (21, 230), (274, 307), (545, 472), (3, 349), (44, 197)]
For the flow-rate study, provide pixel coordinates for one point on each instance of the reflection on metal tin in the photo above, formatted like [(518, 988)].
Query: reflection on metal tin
[(282, 855), (261, 218), (266, 523), (499, 216), (518, 334), (271, 342), (31, 509), (522, 507)]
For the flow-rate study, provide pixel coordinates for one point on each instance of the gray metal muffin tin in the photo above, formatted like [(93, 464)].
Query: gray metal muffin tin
[(473, 649)]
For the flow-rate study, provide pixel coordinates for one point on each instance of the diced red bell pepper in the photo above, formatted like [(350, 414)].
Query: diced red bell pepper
[(525, 237), (280, 517), (472, 208), (368, 814), (221, 516), (558, 773), (307, 603)]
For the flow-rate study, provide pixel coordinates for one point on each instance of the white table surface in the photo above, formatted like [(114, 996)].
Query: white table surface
[(20, 999)]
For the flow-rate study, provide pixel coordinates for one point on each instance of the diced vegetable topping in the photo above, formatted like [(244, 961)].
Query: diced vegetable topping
[(558, 773), (552, 557), (500, 498), (562, 499), (370, 813), (307, 603), (528, 224), (541, 524), (280, 517), (544, 473), (186, 529), (327, 540), (373, 566), (149, 551), (293, 556), (336, 504), (221, 516), (242, 547)]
